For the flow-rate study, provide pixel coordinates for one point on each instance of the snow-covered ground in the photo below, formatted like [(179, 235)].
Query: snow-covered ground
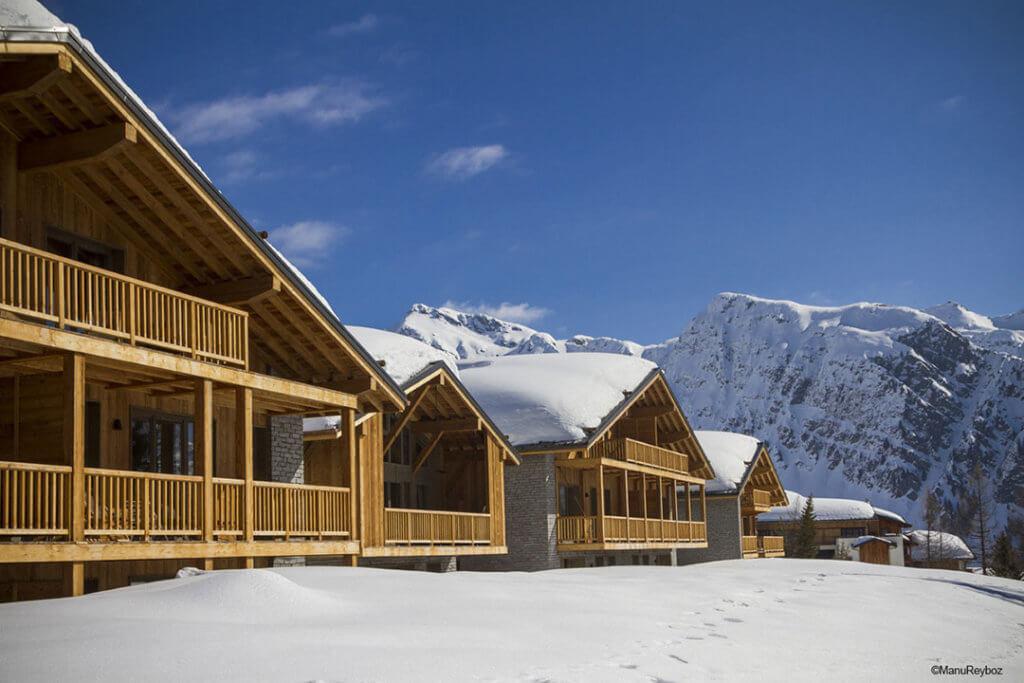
[(739, 620)]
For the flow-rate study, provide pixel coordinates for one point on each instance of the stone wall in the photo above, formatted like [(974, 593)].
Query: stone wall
[(724, 533), (530, 512)]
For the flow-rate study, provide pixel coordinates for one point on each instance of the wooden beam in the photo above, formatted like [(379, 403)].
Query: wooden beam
[(203, 410), (73, 148), (407, 416), (673, 437), (649, 411), (42, 363), (471, 424), (49, 337), (167, 550), (243, 455), (426, 452), (350, 449), (22, 79), (240, 291)]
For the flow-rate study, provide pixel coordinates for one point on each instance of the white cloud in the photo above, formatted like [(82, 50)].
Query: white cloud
[(465, 162), (951, 103), (231, 117), (308, 243), (364, 24), (516, 313)]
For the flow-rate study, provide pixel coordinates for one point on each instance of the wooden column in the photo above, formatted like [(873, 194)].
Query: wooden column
[(243, 460), (203, 453), (600, 503), (350, 447), (74, 455), (704, 511), (643, 500), (689, 512)]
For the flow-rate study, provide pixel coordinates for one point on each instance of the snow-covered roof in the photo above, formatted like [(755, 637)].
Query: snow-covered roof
[(825, 509), (944, 546), (731, 456), (404, 357), (304, 280), (861, 540), (887, 514), (553, 398)]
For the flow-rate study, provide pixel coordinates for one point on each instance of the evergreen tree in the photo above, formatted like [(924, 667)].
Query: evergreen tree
[(1004, 559), (806, 545)]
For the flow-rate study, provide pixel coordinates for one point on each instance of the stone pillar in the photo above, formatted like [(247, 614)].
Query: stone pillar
[(286, 464), (530, 515), (724, 533)]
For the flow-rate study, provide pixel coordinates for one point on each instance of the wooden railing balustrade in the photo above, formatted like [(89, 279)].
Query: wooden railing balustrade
[(749, 544), (773, 544), (404, 526), (630, 450), (756, 499), (300, 510), (127, 503), (584, 529), (69, 294), (35, 500)]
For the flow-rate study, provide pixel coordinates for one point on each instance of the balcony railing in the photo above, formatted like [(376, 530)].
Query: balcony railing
[(773, 546), (584, 529), (68, 294), (35, 501), (749, 545), (630, 450), (757, 499), (435, 527)]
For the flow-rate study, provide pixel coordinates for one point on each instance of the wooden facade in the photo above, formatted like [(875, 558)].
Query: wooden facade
[(760, 491), (431, 479), (827, 531), (147, 338), (618, 490)]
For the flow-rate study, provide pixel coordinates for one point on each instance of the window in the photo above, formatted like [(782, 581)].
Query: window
[(261, 470), (162, 442), (392, 494), (569, 502), (421, 496), (402, 451), (92, 433), (852, 532), (85, 250)]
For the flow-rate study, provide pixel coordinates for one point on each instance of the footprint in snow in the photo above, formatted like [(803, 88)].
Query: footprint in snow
[(695, 637), (719, 635), (679, 659), (734, 620)]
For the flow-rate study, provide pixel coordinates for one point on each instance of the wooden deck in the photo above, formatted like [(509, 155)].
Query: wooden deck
[(611, 531), (640, 453), (405, 527), (126, 505), (755, 501), (72, 295), (772, 546)]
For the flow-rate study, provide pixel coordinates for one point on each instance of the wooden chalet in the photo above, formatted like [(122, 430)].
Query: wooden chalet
[(612, 484), (838, 522), (431, 478), (156, 353), (745, 485)]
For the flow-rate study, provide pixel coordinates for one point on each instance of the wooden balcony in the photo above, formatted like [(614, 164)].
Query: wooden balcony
[(640, 453), (120, 504), (405, 527), (755, 501), (71, 295), (586, 530), (749, 546), (772, 546)]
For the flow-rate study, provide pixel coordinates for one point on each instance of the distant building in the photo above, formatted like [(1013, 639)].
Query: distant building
[(604, 447), (835, 518), (938, 550), (745, 484)]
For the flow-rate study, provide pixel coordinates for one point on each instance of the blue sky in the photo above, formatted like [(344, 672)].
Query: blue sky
[(602, 168)]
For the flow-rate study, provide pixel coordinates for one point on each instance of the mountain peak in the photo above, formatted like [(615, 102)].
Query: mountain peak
[(960, 317)]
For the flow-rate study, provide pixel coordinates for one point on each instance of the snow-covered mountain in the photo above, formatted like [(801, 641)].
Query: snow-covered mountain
[(866, 401)]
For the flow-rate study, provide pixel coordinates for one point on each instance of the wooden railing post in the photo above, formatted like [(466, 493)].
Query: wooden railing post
[(60, 295), (203, 452), (74, 453), (600, 503), (193, 328)]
